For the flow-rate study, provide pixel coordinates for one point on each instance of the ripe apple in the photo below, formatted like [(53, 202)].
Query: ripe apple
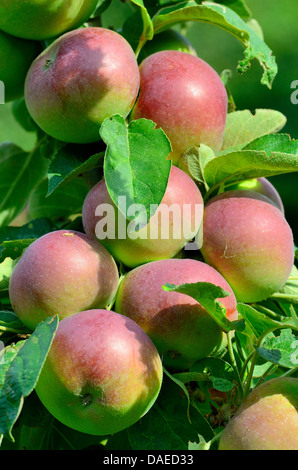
[(184, 96), (16, 56), (40, 19), (166, 41), (180, 327), (80, 79), (62, 273), (266, 420), (102, 373), (175, 222), (261, 185), (247, 239)]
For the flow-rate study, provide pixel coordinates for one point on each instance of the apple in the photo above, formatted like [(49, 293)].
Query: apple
[(176, 221), (79, 80), (261, 185), (181, 328), (248, 240), (102, 373), (184, 96), (166, 41), (266, 420), (62, 272), (16, 56), (43, 19)]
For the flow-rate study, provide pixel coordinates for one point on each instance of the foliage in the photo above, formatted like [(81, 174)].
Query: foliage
[(43, 183)]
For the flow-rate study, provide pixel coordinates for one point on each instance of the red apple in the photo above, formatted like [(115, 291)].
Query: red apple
[(175, 222), (102, 373), (266, 420), (82, 78), (179, 326), (62, 272), (184, 96), (247, 239)]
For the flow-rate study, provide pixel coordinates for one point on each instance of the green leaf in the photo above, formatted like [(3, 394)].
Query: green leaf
[(219, 372), (258, 322), (148, 31), (101, 6), (15, 128), (243, 126), (227, 19), (70, 161), (281, 350), (66, 200), (278, 156), (13, 240), (201, 445), (135, 165), (207, 294), (22, 373), (239, 7), (194, 160), (274, 143), (165, 426), (19, 173), (10, 322), (6, 268)]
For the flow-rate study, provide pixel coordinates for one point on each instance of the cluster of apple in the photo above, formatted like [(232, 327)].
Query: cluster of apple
[(104, 369)]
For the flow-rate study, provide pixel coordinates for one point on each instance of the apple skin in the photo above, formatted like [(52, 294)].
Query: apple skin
[(247, 239), (166, 41), (102, 373), (180, 327), (263, 186), (62, 272), (43, 19), (16, 56), (266, 420), (79, 80), (184, 96), (181, 190)]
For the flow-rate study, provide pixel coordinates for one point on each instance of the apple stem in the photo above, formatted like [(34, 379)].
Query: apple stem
[(233, 362)]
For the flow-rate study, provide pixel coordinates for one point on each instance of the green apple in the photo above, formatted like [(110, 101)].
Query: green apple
[(263, 186), (16, 56), (166, 41), (43, 19)]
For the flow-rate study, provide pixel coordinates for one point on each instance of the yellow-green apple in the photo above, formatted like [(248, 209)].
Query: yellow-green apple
[(16, 56), (266, 420), (181, 328), (261, 185), (167, 41), (62, 272), (102, 373), (248, 240), (176, 221), (43, 19), (83, 77), (184, 96)]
